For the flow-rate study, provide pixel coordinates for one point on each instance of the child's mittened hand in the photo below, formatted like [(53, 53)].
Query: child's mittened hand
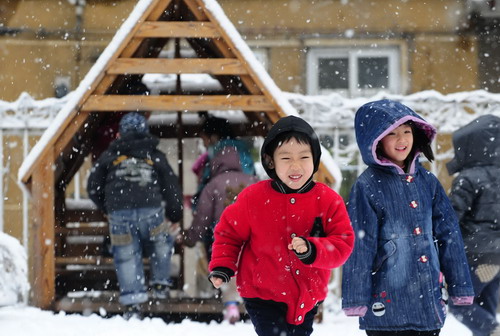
[(216, 282), (298, 245)]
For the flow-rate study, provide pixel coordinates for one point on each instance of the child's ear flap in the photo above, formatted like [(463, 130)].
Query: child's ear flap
[(268, 161)]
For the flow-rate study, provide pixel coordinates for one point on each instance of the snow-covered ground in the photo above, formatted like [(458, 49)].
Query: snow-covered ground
[(21, 320), (28, 321)]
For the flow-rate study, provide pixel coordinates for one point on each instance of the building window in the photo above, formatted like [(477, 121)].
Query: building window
[(353, 72), (262, 56)]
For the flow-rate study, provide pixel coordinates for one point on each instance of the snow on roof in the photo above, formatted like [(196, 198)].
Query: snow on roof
[(104, 59), (85, 85), (266, 81)]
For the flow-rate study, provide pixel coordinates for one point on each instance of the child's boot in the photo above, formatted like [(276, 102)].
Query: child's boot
[(133, 311)]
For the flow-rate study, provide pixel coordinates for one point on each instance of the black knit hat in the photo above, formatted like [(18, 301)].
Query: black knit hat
[(284, 126)]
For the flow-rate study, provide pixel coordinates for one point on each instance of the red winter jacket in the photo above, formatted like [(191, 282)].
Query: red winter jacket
[(261, 224)]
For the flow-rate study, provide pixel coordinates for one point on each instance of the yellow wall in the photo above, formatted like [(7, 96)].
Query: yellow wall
[(336, 15), (433, 48), (50, 45), (443, 63)]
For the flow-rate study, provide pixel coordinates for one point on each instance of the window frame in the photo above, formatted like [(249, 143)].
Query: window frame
[(393, 53)]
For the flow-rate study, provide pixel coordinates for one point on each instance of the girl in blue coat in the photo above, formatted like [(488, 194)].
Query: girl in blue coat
[(407, 232)]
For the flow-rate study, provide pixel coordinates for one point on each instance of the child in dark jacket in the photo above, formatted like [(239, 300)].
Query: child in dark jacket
[(406, 228), (476, 199), (284, 235), (133, 184)]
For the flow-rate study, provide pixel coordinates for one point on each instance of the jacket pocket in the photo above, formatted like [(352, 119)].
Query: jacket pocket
[(159, 231), (383, 253)]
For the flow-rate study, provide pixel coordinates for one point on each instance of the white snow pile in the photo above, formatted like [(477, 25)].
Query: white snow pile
[(14, 284)]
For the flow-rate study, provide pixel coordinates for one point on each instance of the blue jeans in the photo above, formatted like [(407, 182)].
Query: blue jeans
[(134, 232), (480, 317), (269, 319)]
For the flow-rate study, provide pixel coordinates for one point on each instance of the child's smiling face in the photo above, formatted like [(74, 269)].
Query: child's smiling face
[(397, 144), (293, 162)]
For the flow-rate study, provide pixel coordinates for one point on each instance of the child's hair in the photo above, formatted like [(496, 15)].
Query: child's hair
[(284, 137), (218, 126), (421, 143)]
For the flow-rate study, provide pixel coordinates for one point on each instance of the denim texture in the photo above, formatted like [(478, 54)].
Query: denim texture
[(396, 261), (406, 235), (134, 233), (480, 317)]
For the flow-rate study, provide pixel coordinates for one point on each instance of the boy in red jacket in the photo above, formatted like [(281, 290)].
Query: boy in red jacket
[(283, 236)]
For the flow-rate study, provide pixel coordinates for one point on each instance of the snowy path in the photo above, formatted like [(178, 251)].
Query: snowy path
[(28, 321)]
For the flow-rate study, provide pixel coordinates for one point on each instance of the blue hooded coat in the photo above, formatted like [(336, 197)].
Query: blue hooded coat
[(407, 233)]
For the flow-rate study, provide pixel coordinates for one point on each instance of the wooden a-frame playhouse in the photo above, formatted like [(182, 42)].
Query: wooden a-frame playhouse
[(107, 90)]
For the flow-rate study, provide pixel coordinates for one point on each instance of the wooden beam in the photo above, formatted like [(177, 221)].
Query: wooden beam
[(324, 175), (102, 83), (213, 66), (87, 260), (109, 301), (177, 103), (253, 85), (181, 29), (225, 47), (68, 133), (159, 8), (42, 231), (196, 9)]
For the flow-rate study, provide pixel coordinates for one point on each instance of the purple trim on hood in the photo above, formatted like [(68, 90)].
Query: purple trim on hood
[(429, 130)]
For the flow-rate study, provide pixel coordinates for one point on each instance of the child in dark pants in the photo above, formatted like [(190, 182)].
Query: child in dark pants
[(284, 235)]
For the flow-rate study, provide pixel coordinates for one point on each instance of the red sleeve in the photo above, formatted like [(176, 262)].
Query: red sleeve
[(334, 249)]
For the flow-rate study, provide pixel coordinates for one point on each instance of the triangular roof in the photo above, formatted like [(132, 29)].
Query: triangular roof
[(135, 50)]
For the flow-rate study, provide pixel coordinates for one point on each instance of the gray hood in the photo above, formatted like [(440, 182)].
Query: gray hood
[(476, 144)]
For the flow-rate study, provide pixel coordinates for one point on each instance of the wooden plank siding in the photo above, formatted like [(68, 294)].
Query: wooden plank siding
[(42, 233), (180, 29), (176, 103), (212, 66)]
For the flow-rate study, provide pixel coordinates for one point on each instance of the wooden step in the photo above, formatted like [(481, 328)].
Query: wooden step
[(82, 210), (108, 300)]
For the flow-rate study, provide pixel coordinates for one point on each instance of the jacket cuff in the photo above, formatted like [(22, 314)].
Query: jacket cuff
[(309, 256), (356, 311), (223, 273), (462, 300)]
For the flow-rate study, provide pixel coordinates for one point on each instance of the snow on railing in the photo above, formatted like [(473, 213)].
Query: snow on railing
[(446, 112), (27, 112)]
